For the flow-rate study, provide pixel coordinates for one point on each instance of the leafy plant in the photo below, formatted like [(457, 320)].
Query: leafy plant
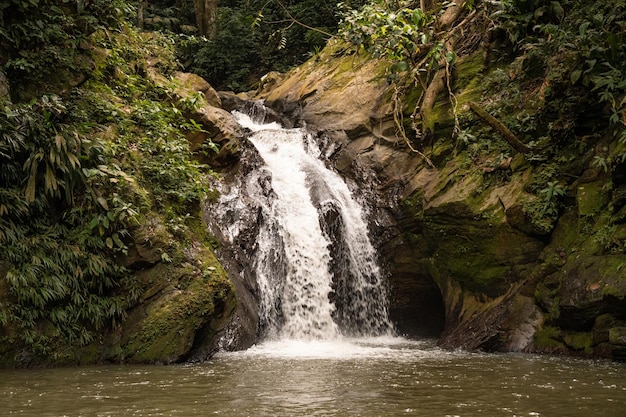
[(400, 34), (544, 210), (576, 48), (550, 195), (610, 240), (77, 173), (258, 36), (43, 38)]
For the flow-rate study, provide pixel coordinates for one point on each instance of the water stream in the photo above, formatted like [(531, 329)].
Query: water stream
[(314, 265)]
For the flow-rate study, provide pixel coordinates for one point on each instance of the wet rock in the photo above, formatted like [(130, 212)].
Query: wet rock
[(221, 129), (242, 212), (591, 286), (194, 83)]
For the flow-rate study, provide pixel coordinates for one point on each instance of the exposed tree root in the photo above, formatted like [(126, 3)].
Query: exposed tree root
[(435, 87), (398, 120), (451, 15)]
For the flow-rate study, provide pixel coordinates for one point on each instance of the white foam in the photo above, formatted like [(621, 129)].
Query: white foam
[(247, 122), (340, 349)]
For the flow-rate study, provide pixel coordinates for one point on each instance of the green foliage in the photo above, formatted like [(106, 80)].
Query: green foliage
[(77, 172), (543, 211), (230, 58), (578, 49), (39, 38), (52, 232), (396, 32), (255, 37), (148, 123), (610, 239), (52, 149), (411, 40), (169, 169)]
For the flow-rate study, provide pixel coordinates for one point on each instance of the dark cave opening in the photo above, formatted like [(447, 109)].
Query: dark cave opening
[(416, 307)]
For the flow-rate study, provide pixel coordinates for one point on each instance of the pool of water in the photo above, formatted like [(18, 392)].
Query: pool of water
[(367, 377)]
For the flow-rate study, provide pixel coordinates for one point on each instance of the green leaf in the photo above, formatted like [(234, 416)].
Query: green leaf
[(29, 192), (118, 241), (582, 29), (402, 66), (575, 76), (93, 223), (51, 182), (59, 141)]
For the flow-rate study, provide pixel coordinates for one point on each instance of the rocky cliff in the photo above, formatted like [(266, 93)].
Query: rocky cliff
[(463, 228)]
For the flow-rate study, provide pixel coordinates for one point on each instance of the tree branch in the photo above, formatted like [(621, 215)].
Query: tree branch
[(296, 21), (500, 128)]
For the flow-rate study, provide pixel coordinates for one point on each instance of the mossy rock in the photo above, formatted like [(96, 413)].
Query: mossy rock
[(617, 336), (549, 339), (603, 324), (591, 197), (580, 341), (168, 331), (186, 294), (483, 257)]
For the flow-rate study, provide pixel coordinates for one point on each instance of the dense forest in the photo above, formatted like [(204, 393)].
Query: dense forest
[(95, 156)]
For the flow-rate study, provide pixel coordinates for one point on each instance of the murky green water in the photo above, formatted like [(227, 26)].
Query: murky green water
[(392, 378)]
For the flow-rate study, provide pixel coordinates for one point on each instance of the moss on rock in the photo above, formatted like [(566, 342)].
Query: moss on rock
[(167, 332), (549, 339)]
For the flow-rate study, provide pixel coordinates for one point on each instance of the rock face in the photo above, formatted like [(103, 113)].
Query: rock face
[(243, 210), (181, 312), (466, 261)]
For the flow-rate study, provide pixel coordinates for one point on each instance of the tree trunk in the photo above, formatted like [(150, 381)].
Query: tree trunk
[(426, 5), (206, 17), (143, 5)]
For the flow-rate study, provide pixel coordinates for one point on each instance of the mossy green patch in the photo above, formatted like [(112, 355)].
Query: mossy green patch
[(580, 341), (168, 332), (617, 336), (549, 339), (591, 197)]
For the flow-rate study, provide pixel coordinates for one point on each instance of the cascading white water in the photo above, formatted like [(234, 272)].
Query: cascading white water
[(311, 286)]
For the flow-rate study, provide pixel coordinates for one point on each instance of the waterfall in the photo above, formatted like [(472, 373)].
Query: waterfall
[(316, 270)]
